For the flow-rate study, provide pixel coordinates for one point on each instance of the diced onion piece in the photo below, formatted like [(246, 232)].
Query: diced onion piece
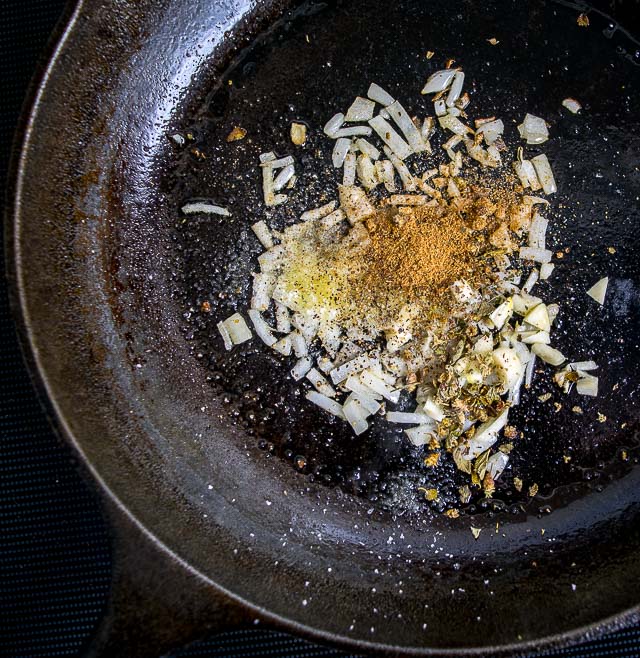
[(502, 313), (333, 125), (408, 200), (508, 365), (354, 415), (367, 148), (440, 107), (531, 281), (546, 270), (420, 435), (553, 310), (486, 435), (361, 110), (340, 150), (277, 164), (456, 89), (496, 464), (537, 255), (548, 354), (283, 177), (354, 384), (449, 122), (587, 385), (529, 372), (355, 203), (353, 131), (283, 346), (545, 175), (320, 212), (404, 418), (307, 324), (405, 175), (325, 403), (228, 343), (408, 128), (272, 258), (268, 192), (299, 344), (333, 219), (366, 172), (301, 368), (325, 364), (351, 367), (205, 209), (349, 170), (368, 378), (178, 139), (262, 328), (583, 365), (538, 231), (263, 234), (237, 328), (390, 137), (523, 303), (320, 383), (598, 290), (386, 174), (379, 95), (538, 317), (526, 172), (484, 344), (428, 126), (263, 285), (572, 105), (491, 130), (433, 409), (298, 133), (533, 129), (368, 404), (535, 337), (485, 158), (267, 157), (439, 81)]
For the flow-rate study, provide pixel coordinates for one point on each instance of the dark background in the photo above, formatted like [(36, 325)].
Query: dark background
[(55, 553)]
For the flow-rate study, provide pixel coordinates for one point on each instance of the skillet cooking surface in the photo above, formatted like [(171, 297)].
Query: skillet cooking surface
[(201, 445)]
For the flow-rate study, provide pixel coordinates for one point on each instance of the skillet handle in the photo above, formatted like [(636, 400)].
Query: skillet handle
[(156, 604)]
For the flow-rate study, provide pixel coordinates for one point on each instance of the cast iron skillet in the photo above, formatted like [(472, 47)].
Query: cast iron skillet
[(272, 512)]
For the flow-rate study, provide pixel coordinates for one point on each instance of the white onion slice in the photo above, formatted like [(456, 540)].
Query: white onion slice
[(535, 337), (545, 175), (598, 290), (354, 384), (320, 212), (379, 95), (538, 317), (439, 81), (408, 128), (267, 157), (237, 328), (299, 344), (283, 177), (537, 231), (368, 378), (456, 89), (433, 409), (408, 182), (491, 130), (228, 343), (333, 125), (326, 403), (531, 281), (449, 122), (572, 105), (340, 150), (355, 203), (533, 129), (390, 137), (440, 107), (526, 172), (548, 354), (262, 328), (360, 110), (205, 209), (496, 464), (369, 405), (354, 415), (420, 435), (325, 364), (272, 258), (546, 270), (366, 172), (529, 372), (263, 234), (583, 365), (537, 255), (320, 383), (263, 285), (332, 219), (486, 435), (349, 169), (587, 386), (386, 174), (351, 367), (428, 127), (367, 148), (502, 313), (283, 346), (405, 418), (301, 368), (353, 131)]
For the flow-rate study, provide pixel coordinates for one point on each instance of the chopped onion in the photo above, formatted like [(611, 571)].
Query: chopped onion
[(262, 328), (333, 125), (326, 403), (486, 435), (537, 231), (340, 150), (283, 346), (298, 133), (361, 110), (277, 164), (205, 209), (332, 219), (178, 139), (325, 364), (301, 368), (533, 129), (439, 81), (354, 202), (546, 270), (508, 365), (572, 105), (263, 234), (408, 128), (268, 192), (343, 371), (502, 313), (548, 354), (433, 409), (484, 344), (366, 172), (538, 317), (408, 182), (354, 415), (526, 172), (320, 383), (454, 124), (531, 281), (496, 464), (537, 255), (491, 130), (349, 170), (299, 344), (379, 95), (267, 157), (420, 435), (237, 329), (440, 107), (367, 148), (307, 324), (408, 200), (553, 310), (523, 303), (535, 337), (390, 137), (272, 258), (385, 173), (587, 385), (354, 384), (263, 285), (598, 290), (368, 378), (583, 365), (283, 177), (405, 418), (428, 126), (353, 131), (456, 89), (528, 376), (320, 212), (228, 343), (545, 175), (368, 404)]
